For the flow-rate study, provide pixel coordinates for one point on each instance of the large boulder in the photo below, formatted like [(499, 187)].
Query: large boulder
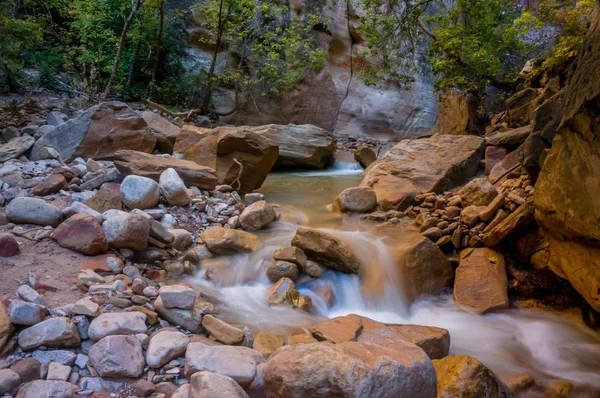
[(520, 105), (326, 249), (226, 240), (478, 192), (510, 139), (458, 115), (23, 210), (83, 234), (357, 199), (147, 165), (432, 164), (241, 157), (53, 332), (566, 192), (304, 146), (126, 230), (165, 346), (466, 377), (139, 192), (121, 323), (214, 385), (163, 130), (350, 369), (100, 131), (481, 284), (257, 216)]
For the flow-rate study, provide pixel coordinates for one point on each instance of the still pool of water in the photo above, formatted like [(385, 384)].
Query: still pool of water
[(511, 342)]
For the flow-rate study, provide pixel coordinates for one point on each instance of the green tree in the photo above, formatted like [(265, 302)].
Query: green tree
[(260, 33)]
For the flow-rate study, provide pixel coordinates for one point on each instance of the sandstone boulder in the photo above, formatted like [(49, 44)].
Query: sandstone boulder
[(365, 156), (458, 115), (100, 131), (83, 234), (464, 376), (108, 197), (304, 146), (478, 192), (280, 291), (432, 164), (224, 149), (36, 211), (117, 356), (126, 230), (177, 296), (267, 343), (226, 240), (52, 184), (164, 131), (357, 200), (520, 105), (146, 165), (350, 369), (493, 155), (291, 254), (510, 139), (222, 331), (481, 284), (504, 166), (24, 313), (326, 250), (257, 216), (214, 385), (165, 346), (282, 269), (119, 323)]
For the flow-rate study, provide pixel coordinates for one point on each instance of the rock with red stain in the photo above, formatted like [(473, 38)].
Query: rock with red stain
[(107, 198), (9, 246), (493, 155), (83, 234), (65, 172), (53, 184)]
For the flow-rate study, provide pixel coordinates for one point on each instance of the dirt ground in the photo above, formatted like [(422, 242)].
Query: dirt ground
[(53, 265)]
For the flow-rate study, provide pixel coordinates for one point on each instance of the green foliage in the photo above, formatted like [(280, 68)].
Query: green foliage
[(281, 50)]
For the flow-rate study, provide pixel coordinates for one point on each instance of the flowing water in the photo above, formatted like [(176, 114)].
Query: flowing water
[(511, 342)]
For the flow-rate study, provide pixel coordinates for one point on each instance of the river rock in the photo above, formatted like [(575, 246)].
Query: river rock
[(28, 369), (139, 192), (353, 370), (47, 389), (9, 247), (54, 183), (126, 230), (326, 250), (493, 155), (365, 156), (413, 167), (25, 292), (267, 343), (218, 148), (165, 346), (63, 357), (357, 200), (182, 239), (465, 376), (257, 216), (481, 283), (239, 363), (489, 212), (6, 330), (338, 330), (107, 198), (282, 269), (187, 319), (177, 296), (225, 240), (9, 380), (146, 165), (569, 182), (213, 385), (100, 131), (80, 208), (278, 293), (24, 313), (15, 147), (83, 234), (291, 254), (54, 332), (504, 166), (173, 188), (36, 211), (117, 356), (164, 131), (85, 307), (478, 192), (222, 331), (56, 371), (116, 323), (510, 139), (305, 146)]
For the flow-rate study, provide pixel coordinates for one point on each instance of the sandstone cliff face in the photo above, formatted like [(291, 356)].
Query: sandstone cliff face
[(335, 98), (568, 190)]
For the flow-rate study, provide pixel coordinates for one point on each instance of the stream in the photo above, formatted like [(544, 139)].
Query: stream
[(511, 342)]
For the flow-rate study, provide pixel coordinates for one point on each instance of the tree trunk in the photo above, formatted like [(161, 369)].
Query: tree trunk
[(136, 5), (211, 71), (135, 55), (9, 80), (161, 12)]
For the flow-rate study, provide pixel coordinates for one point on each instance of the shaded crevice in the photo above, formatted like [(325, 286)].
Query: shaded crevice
[(337, 114)]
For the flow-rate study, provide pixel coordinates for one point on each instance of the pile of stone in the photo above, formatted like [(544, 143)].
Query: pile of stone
[(479, 214)]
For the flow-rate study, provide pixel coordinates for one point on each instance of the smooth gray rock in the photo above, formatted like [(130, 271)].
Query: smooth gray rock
[(36, 211), (62, 357), (139, 192), (165, 346), (24, 313), (117, 356), (174, 188), (53, 332), (56, 118), (119, 323), (15, 147)]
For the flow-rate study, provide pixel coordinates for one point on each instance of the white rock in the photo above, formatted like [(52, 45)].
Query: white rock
[(165, 346), (115, 323), (80, 208), (173, 188), (139, 192), (177, 296), (86, 307), (56, 371)]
